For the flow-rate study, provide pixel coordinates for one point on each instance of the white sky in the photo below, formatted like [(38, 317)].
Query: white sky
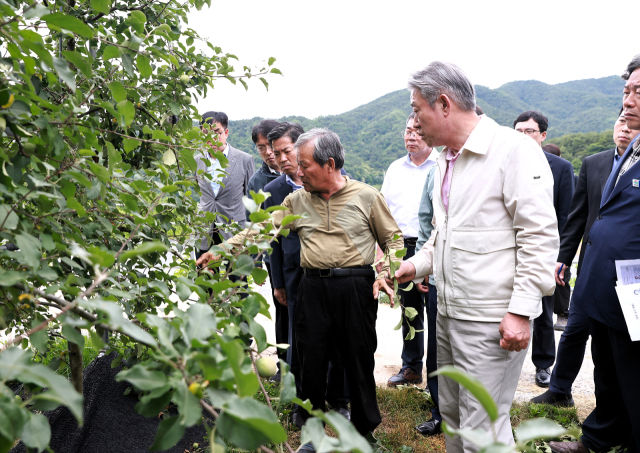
[(336, 55)]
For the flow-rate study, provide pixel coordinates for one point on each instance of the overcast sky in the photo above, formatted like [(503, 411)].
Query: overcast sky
[(336, 55)]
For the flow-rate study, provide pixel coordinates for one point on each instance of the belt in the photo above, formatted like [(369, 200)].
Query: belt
[(356, 271)]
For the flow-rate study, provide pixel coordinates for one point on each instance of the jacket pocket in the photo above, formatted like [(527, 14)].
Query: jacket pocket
[(482, 264)]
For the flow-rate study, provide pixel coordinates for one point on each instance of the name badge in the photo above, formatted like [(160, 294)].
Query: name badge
[(635, 182)]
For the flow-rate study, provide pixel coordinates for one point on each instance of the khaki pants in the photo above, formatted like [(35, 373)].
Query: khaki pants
[(474, 347)]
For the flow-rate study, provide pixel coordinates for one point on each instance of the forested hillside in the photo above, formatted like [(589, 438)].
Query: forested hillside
[(581, 115)]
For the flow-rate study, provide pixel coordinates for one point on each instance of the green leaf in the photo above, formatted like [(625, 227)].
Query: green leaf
[(142, 378), (12, 419), (110, 52), (130, 144), (144, 248), (118, 91), (118, 321), (29, 249), (72, 203), (188, 405), (411, 334), (144, 66), (101, 256), (259, 275), (410, 313), (200, 322), (170, 431), (247, 424), (79, 61), (127, 110), (9, 217), (65, 73), (259, 216), (15, 363), (288, 219), (538, 429), (101, 6), (73, 335), (10, 278), (169, 158), (243, 265), (73, 24), (36, 432), (101, 172), (474, 386), (257, 332)]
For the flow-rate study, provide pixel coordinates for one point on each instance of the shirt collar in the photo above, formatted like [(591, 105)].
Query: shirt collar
[(291, 183), (427, 162), (481, 136)]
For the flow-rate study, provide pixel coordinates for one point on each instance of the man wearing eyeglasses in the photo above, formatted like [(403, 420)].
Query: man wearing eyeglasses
[(543, 343), (269, 170)]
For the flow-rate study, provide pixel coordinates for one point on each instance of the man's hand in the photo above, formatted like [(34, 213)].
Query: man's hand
[(281, 296), (406, 272), (379, 259), (381, 284), (559, 273), (515, 332), (205, 259), (422, 287)]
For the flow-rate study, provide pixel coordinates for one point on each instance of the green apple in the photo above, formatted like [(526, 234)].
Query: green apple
[(266, 366)]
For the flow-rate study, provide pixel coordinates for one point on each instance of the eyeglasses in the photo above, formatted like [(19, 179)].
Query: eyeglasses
[(263, 148), (528, 131), (409, 133)]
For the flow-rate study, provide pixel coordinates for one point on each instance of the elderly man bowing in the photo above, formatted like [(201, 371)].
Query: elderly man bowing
[(492, 250)]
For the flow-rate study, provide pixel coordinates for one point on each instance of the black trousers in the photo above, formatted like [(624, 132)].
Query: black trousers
[(412, 350), (281, 321), (432, 349), (335, 320), (543, 340), (616, 417)]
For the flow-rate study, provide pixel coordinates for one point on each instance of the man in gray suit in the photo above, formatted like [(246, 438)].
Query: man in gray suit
[(221, 186)]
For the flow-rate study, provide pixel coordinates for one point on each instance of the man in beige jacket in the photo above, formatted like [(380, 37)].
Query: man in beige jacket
[(492, 250)]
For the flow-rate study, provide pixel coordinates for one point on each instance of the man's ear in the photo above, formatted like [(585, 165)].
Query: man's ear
[(445, 103), (331, 164), (543, 136)]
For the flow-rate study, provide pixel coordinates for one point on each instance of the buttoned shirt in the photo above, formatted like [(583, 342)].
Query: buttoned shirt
[(630, 161), (451, 158), (341, 231), (402, 188), (214, 168)]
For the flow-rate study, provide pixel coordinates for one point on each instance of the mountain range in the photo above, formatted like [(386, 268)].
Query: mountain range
[(372, 133)]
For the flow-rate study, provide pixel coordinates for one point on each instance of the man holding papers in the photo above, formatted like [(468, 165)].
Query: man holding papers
[(605, 286)]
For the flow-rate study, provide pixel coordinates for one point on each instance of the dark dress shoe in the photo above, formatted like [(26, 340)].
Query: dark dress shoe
[(344, 411), (405, 376), (568, 447), (306, 448), (543, 377), (554, 398), (429, 428)]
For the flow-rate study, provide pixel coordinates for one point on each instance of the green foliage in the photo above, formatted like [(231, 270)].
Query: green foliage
[(98, 218), (372, 133)]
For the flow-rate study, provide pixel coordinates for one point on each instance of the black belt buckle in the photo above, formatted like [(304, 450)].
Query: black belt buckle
[(325, 273)]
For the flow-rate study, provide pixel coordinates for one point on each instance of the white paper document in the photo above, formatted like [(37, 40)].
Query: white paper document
[(628, 289), (628, 272)]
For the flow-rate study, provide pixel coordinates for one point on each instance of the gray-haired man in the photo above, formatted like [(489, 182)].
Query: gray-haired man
[(493, 246)]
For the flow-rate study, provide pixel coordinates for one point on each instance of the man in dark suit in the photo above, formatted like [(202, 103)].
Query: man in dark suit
[(543, 343), (285, 263), (614, 236), (268, 171), (221, 186), (584, 209)]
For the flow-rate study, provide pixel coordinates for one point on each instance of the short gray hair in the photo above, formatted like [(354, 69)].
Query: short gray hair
[(444, 78), (326, 145), (632, 66)]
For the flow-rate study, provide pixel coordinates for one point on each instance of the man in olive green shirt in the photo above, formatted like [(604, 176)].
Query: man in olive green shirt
[(335, 316)]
